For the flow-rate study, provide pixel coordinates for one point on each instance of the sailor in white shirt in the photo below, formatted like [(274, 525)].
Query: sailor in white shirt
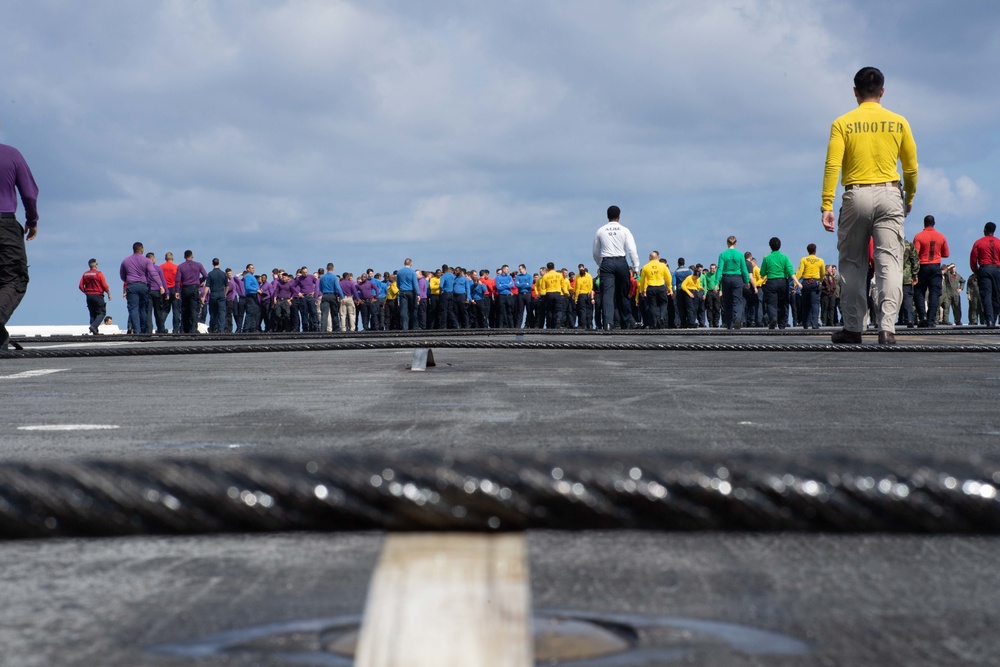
[(612, 244)]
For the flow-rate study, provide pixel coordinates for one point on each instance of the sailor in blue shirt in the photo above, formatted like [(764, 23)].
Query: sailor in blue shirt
[(524, 281), (477, 292), (681, 297), (329, 305), (505, 293), (447, 309), (462, 294), (406, 283), (251, 312)]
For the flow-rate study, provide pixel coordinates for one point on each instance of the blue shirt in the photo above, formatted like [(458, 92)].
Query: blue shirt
[(328, 284), (478, 291), (680, 274), (462, 288), (406, 279), (250, 284), (447, 283), (504, 284), (523, 282), (382, 289)]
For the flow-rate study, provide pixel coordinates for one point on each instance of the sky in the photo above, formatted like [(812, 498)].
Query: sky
[(292, 134)]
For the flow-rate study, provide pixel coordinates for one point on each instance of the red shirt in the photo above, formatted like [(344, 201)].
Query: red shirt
[(491, 286), (985, 251), (93, 282), (931, 246), (170, 273)]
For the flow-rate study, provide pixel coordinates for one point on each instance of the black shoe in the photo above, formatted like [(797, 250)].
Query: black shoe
[(922, 324), (772, 325), (846, 337), (886, 338), (736, 325)]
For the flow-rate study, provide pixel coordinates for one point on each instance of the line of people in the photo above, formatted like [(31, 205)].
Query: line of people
[(734, 292)]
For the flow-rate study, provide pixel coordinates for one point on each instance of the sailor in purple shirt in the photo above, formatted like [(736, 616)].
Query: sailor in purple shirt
[(158, 304), (422, 289), (281, 300), (305, 286), (265, 292), (138, 274), (369, 303), (15, 177), (239, 292), (348, 304), (190, 274)]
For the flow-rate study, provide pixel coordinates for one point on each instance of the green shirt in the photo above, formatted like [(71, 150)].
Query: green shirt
[(777, 265), (709, 281), (733, 263)]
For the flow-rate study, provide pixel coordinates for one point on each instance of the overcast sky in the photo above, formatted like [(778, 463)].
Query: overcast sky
[(472, 133)]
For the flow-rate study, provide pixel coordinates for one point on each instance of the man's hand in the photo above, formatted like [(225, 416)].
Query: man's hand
[(30, 232), (829, 221)]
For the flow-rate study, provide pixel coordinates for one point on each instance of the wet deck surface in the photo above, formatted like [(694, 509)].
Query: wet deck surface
[(848, 599)]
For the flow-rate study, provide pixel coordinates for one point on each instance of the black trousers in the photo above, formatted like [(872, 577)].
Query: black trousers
[(97, 308), (776, 301), (927, 293), (13, 270), (614, 291), (190, 308)]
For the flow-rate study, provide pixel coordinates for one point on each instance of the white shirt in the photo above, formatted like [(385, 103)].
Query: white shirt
[(615, 240)]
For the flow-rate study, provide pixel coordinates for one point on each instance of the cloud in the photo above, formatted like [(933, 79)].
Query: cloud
[(944, 195)]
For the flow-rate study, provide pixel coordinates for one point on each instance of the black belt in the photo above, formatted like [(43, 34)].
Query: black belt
[(7, 216), (892, 184)]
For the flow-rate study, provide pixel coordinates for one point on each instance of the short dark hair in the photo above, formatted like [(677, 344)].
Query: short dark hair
[(775, 243), (869, 82), (551, 266), (92, 262), (614, 213), (811, 248), (188, 254), (928, 221), (988, 229), (215, 261), (137, 246), (680, 262)]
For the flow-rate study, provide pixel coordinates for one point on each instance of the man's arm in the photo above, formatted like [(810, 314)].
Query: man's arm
[(908, 157), (834, 162)]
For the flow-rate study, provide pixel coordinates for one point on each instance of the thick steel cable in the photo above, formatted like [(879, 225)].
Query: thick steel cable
[(500, 491), (606, 343)]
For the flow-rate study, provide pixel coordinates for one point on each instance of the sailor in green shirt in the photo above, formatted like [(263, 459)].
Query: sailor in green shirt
[(733, 269), (713, 296), (777, 271)]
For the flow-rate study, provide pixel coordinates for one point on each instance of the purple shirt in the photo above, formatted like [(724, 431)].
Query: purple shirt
[(306, 284), (367, 289), (190, 273), (14, 173), (422, 288), (350, 289), (266, 291), (163, 278), (137, 269), (283, 290), (231, 294)]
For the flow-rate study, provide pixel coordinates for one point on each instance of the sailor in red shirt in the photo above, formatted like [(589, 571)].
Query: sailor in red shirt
[(93, 284), (931, 247), (985, 263), (172, 298)]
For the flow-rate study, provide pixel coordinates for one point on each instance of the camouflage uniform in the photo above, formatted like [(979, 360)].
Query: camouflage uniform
[(975, 304), (951, 285), (911, 267)]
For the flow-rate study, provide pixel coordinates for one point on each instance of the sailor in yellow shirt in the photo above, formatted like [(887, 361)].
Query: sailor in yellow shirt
[(810, 274), (693, 288), (583, 296), (550, 288), (655, 285), (865, 146), (434, 299)]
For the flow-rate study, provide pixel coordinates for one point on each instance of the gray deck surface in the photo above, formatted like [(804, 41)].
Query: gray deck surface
[(859, 600)]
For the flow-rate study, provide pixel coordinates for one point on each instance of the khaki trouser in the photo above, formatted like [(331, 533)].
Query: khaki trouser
[(865, 213), (348, 314)]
